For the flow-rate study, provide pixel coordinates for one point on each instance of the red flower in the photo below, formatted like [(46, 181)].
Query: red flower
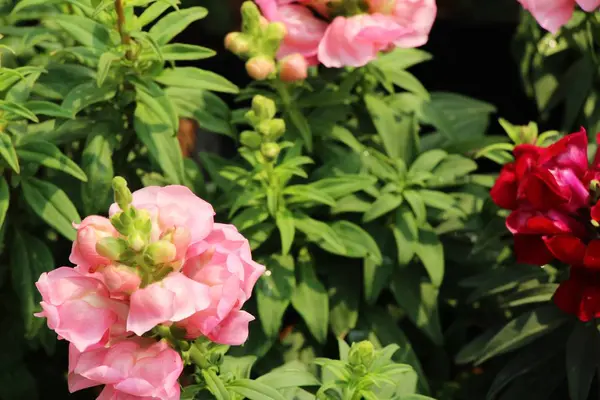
[(533, 228), (574, 251), (580, 294)]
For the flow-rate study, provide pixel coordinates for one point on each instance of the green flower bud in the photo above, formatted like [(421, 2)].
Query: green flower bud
[(270, 151), (136, 241), (272, 129), (250, 18), (123, 195), (263, 107), (237, 43), (361, 354), (160, 252), (112, 248), (251, 139), (260, 67)]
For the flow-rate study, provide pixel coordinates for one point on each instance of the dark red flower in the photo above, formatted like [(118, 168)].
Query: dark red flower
[(580, 294), (574, 251), (532, 229)]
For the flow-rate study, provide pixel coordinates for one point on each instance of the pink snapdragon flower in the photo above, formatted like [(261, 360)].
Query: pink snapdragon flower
[(553, 14), (89, 232), (131, 369), (79, 308), (224, 263)]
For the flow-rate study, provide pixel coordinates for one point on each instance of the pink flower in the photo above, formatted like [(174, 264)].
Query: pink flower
[(224, 263), (89, 232), (416, 15), (133, 369), (174, 206), (355, 41), (171, 300), (79, 308), (304, 30), (120, 279), (553, 14)]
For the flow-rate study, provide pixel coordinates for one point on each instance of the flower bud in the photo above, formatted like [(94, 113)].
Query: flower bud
[(160, 252), (136, 241), (361, 354), (293, 68), (121, 278), (270, 150), (250, 18), (123, 195), (112, 248), (260, 67), (263, 22), (272, 129), (250, 139), (237, 43), (181, 237), (263, 107)]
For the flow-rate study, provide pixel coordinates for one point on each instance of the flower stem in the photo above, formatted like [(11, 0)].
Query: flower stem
[(125, 38)]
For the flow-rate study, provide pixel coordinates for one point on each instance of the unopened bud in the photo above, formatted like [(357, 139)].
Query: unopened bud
[(251, 139), (160, 252), (263, 107), (272, 129), (361, 354), (250, 18), (260, 67), (112, 248), (237, 43), (270, 151), (293, 68), (276, 31), (136, 241), (123, 196), (263, 22)]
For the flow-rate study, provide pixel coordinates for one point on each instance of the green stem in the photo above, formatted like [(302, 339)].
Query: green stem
[(125, 38)]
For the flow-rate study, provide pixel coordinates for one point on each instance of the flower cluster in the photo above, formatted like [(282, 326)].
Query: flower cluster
[(553, 14), (553, 193), (340, 33), (160, 262), (334, 33)]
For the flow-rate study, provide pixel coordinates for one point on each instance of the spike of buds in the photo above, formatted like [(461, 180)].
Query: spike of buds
[(123, 196)]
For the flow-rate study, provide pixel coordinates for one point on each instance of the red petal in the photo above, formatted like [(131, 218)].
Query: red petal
[(542, 190), (595, 212), (568, 297), (566, 248), (504, 192), (531, 249), (592, 255)]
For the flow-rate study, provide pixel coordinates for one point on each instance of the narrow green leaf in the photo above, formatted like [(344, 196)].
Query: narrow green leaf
[(341, 186), (175, 22), (311, 301), (21, 91), (153, 97), (85, 30), (254, 390), (295, 120), (357, 242), (154, 11), (52, 205), (343, 302), (319, 232), (274, 293), (104, 64), (17, 110), (427, 161), (215, 385), (307, 194), (4, 200), (283, 378), (8, 153), (383, 205), (185, 52), (49, 109), (96, 161), (431, 252), (48, 155), (86, 94), (287, 229), (376, 277), (406, 234), (417, 204), (195, 78)]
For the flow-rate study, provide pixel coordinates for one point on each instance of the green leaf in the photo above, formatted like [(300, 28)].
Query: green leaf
[(240, 367), (357, 242), (319, 232), (4, 201), (287, 229), (185, 52), (583, 356), (274, 292), (522, 330), (431, 252), (84, 30), (30, 257), (151, 13), (407, 81), (383, 205), (195, 78), (8, 153), (254, 390), (96, 161), (16, 109), (295, 120), (162, 144), (104, 64), (175, 22), (436, 199), (288, 377), (307, 194), (20, 92), (86, 94), (427, 161), (341, 186), (250, 217), (376, 277), (419, 299), (52, 205), (417, 204), (153, 97), (215, 385), (311, 301), (538, 294), (48, 155), (406, 234), (49, 109), (401, 58), (343, 302), (396, 131)]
